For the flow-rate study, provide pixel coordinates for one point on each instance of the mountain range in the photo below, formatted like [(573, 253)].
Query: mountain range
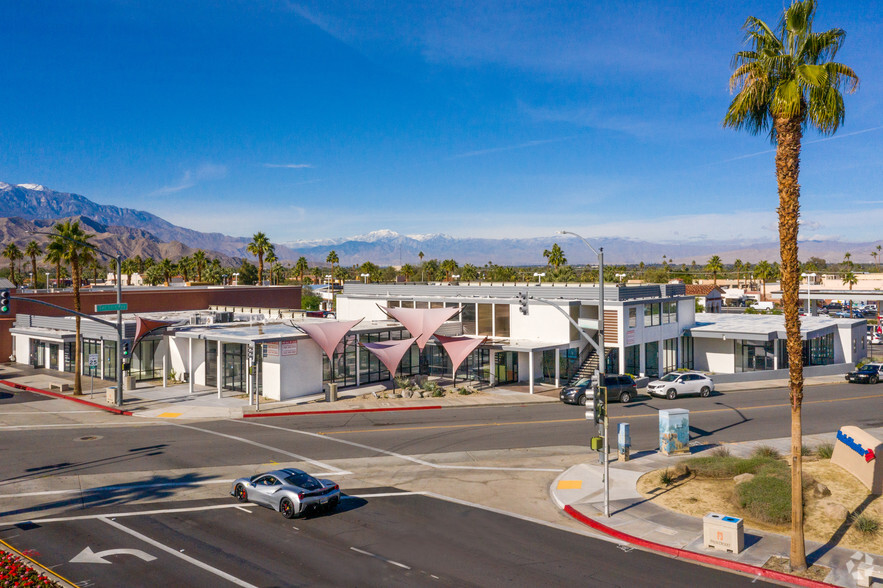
[(30, 207)]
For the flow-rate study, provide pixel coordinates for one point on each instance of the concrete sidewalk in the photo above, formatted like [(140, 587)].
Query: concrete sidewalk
[(581, 487)]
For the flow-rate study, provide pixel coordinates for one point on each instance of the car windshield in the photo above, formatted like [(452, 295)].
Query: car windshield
[(305, 481), (583, 382), (868, 368), (668, 378)]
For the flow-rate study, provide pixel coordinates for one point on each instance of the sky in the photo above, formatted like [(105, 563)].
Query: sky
[(325, 119)]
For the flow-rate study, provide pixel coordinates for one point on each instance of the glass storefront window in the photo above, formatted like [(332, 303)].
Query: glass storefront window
[(468, 317), (687, 350), (501, 320), (485, 319), (633, 317), (110, 360), (669, 355), (753, 356), (633, 359), (651, 359), (651, 314)]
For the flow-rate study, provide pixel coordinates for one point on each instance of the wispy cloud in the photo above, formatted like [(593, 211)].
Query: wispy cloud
[(510, 147), (190, 178), (288, 165), (822, 140)]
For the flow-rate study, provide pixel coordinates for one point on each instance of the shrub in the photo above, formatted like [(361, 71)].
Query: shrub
[(14, 571), (866, 524), (666, 478), (403, 383), (465, 391), (438, 392), (825, 450), (766, 451), (722, 451), (806, 450), (430, 386), (729, 466), (765, 498)]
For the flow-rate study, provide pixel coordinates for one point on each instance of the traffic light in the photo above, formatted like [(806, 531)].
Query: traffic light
[(125, 350), (4, 302), (599, 398), (522, 302)]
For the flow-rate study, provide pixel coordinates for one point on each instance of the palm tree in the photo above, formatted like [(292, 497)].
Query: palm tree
[(714, 267), (408, 270), (764, 272), (33, 250), (422, 271), (332, 259), (271, 260), (75, 250), (555, 257), (184, 266), (130, 266), (449, 266), (737, 265), (847, 259), (139, 263), (166, 269), (874, 254), (13, 254), (785, 83), (259, 247), (301, 267), (199, 260), (877, 257), (55, 255)]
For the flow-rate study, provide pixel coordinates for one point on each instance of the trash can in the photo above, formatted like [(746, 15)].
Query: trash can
[(723, 532), (331, 392)]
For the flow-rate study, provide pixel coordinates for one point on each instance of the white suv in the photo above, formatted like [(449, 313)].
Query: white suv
[(676, 384)]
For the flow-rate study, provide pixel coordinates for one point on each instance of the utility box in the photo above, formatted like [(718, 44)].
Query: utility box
[(723, 532), (111, 395), (623, 441), (674, 431), (129, 382), (598, 443), (331, 392)]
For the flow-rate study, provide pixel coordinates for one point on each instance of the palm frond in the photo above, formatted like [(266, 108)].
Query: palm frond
[(787, 100), (812, 75), (837, 72)]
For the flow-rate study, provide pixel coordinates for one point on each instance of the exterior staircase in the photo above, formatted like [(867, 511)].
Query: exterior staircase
[(588, 367)]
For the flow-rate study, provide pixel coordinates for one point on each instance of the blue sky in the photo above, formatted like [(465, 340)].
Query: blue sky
[(322, 119)]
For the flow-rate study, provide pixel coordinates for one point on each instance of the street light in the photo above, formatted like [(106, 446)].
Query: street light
[(366, 276), (619, 277), (455, 276), (807, 276), (539, 277), (602, 363), (118, 395)]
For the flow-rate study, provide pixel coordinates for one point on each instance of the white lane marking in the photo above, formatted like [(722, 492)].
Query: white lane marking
[(83, 426), (329, 467), (416, 460), (100, 489), (243, 509), (381, 558), (383, 494), (178, 554), (119, 514)]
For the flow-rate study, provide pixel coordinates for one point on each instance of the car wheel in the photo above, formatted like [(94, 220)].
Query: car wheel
[(625, 397), (240, 493), (332, 505), (286, 507), (705, 391), (671, 394), (873, 380), (582, 400)]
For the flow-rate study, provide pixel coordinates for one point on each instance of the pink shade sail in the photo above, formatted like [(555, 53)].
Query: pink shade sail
[(459, 348), (421, 322), (390, 353), (328, 335)]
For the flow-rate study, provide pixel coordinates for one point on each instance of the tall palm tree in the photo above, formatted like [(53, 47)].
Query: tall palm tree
[(874, 254), (555, 257), (55, 255), (737, 265), (449, 266), (332, 259), (259, 247), (714, 267), (140, 264), (877, 257), (13, 254), (33, 250), (300, 267), (130, 266), (422, 270), (185, 264), (271, 260), (764, 272), (847, 259), (75, 250), (199, 260), (785, 83), (167, 268)]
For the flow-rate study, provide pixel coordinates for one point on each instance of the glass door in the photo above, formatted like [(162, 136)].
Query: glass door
[(53, 356), (211, 363)]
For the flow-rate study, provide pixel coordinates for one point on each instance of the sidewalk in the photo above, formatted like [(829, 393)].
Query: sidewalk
[(637, 520)]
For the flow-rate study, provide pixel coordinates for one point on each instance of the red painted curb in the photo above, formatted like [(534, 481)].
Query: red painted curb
[(700, 557), (65, 397), (254, 415)]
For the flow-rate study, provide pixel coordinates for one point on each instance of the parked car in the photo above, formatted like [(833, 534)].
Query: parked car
[(290, 491), (677, 384), (870, 373), (875, 338), (620, 388)]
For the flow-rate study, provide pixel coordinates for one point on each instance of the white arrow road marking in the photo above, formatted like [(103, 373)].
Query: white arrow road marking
[(89, 556), (186, 558)]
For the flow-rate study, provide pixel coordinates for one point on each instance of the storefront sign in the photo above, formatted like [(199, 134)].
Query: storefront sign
[(868, 454), (289, 348)]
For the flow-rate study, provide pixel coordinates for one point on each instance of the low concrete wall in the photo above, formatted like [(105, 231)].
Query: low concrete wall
[(808, 371)]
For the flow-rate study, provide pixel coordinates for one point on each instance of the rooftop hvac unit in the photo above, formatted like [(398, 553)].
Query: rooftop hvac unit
[(224, 317)]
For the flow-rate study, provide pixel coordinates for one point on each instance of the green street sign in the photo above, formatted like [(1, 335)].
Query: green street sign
[(111, 307)]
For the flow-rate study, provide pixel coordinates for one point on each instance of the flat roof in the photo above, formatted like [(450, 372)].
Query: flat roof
[(765, 327)]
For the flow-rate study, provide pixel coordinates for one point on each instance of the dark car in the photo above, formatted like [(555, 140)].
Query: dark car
[(620, 388), (867, 374)]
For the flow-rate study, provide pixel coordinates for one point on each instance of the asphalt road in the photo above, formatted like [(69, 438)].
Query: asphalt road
[(388, 538)]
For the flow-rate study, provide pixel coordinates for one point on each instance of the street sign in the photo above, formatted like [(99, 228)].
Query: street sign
[(93, 360), (111, 307)]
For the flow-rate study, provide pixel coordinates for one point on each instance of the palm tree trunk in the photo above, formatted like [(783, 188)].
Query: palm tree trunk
[(78, 347), (787, 170)]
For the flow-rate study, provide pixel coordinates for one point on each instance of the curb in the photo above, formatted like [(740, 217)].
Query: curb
[(698, 557), (254, 415), (66, 397)]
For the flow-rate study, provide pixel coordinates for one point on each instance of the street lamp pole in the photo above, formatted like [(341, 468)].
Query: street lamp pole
[(602, 363), (808, 294)]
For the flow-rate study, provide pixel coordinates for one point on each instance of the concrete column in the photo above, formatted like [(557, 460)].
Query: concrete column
[(358, 363), (165, 371), (557, 367), (249, 389), (530, 370), (220, 367), (190, 365), (492, 380)]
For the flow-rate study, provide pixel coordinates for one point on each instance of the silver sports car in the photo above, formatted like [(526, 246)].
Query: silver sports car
[(292, 492)]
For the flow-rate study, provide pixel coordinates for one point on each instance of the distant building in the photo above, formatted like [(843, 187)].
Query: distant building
[(709, 297)]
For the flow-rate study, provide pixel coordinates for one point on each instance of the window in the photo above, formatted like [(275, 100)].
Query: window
[(501, 320), (633, 359), (468, 317), (393, 304), (633, 317), (651, 315), (753, 356), (421, 304), (670, 312), (485, 319), (687, 352), (669, 355), (651, 358)]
